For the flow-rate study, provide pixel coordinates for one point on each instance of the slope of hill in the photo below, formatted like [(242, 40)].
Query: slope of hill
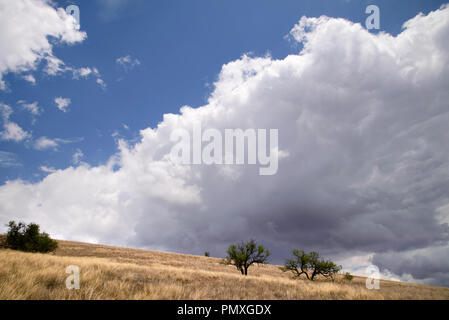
[(108, 272)]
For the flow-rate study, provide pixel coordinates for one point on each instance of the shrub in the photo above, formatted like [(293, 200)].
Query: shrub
[(348, 276), (207, 254), (28, 238), (244, 255)]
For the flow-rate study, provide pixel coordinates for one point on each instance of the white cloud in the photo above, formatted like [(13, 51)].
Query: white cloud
[(56, 66), (47, 169), (25, 38), (33, 107), (77, 156), (127, 62), (11, 130), (8, 160), (62, 103), (362, 124), (30, 78), (44, 143), (86, 72), (81, 73), (101, 83), (5, 111)]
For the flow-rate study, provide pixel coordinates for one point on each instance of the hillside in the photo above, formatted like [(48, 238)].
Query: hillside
[(120, 273)]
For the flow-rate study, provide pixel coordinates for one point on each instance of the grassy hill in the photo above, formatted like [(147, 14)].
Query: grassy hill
[(121, 273)]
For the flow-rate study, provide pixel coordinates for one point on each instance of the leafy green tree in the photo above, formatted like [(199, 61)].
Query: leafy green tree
[(318, 266), (299, 264), (310, 264), (207, 254), (243, 255), (28, 238)]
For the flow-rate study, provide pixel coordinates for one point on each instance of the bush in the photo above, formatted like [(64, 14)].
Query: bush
[(244, 255), (348, 276), (28, 238), (207, 254)]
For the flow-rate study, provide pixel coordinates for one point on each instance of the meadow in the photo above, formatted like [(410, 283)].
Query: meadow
[(108, 272)]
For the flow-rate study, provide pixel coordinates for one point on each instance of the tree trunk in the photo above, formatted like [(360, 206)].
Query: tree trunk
[(305, 272), (313, 274)]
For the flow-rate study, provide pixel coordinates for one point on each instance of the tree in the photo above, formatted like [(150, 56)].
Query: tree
[(28, 238), (243, 255), (299, 265), (325, 268), (207, 254), (306, 263)]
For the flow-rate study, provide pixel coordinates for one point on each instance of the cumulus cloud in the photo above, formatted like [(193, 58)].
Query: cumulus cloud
[(363, 120), (11, 130), (24, 17), (62, 103)]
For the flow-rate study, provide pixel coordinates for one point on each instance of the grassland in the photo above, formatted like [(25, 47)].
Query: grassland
[(120, 273)]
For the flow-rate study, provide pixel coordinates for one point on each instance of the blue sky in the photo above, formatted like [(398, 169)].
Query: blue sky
[(181, 46)]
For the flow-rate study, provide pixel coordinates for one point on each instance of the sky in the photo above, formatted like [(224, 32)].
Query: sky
[(87, 113)]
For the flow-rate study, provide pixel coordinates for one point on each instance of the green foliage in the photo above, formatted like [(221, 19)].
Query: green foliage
[(310, 264), (348, 276), (28, 238), (207, 254), (299, 264), (243, 255)]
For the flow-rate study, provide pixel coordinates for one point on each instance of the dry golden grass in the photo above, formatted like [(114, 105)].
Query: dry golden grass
[(120, 273)]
